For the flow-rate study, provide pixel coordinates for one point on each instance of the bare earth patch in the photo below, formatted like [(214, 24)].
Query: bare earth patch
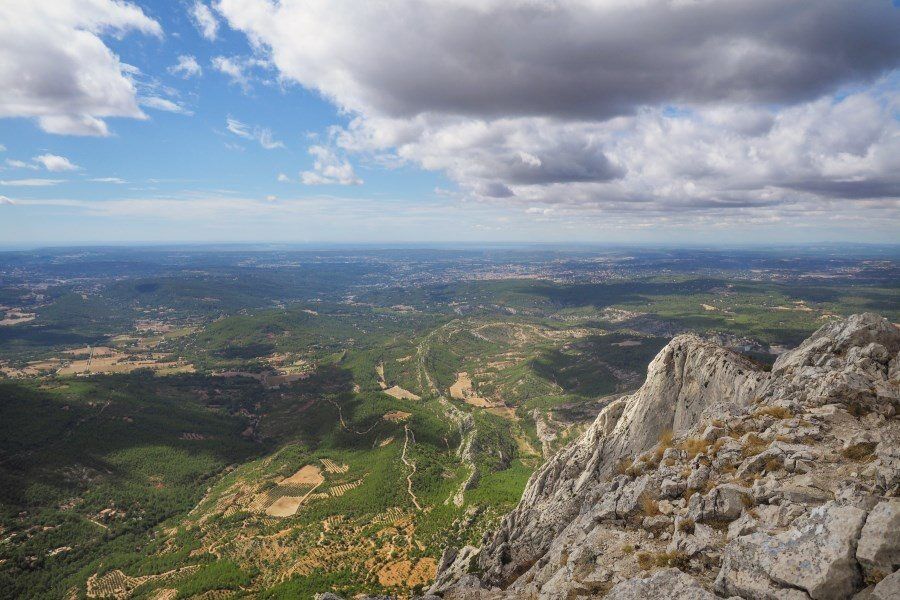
[(308, 475), (286, 506), (462, 390), (401, 394), (397, 416)]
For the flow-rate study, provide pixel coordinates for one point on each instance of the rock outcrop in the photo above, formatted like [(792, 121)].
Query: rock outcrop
[(717, 479)]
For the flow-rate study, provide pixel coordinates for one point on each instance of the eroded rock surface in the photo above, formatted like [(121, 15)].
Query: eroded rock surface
[(718, 479)]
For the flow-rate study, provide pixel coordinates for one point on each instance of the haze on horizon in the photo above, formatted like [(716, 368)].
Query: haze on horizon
[(309, 121)]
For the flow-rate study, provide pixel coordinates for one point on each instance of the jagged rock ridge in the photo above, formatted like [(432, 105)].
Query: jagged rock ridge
[(717, 479)]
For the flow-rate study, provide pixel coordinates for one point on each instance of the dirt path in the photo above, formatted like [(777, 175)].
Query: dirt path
[(344, 424), (411, 465)]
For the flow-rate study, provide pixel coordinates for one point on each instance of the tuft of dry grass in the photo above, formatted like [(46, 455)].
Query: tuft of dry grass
[(860, 452), (628, 549), (779, 412), (623, 466), (648, 560), (666, 437), (753, 445), (694, 446), (649, 506), (772, 465)]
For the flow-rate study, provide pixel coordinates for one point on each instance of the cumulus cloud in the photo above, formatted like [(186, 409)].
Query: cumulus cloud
[(329, 169), (263, 135), (282, 178), (204, 20), (54, 162), (186, 67), (652, 107), (55, 67)]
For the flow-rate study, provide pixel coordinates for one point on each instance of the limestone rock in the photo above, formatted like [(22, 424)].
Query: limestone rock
[(818, 557), (879, 543), (662, 585)]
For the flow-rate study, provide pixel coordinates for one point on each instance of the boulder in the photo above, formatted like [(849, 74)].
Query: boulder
[(722, 503), (879, 543), (818, 557)]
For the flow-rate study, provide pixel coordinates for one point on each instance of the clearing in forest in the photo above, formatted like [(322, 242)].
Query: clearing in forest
[(286, 506), (401, 394), (462, 390), (397, 416), (308, 475)]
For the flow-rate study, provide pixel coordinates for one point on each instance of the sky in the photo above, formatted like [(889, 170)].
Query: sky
[(607, 121)]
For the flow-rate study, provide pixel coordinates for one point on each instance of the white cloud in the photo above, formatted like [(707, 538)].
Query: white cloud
[(74, 80), (86, 125), (6, 201), (116, 180), (263, 135), (328, 168), (282, 178), (761, 110), (186, 67), (2, 148), (237, 128), (30, 182), (204, 20), (54, 162), (20, 164), (238, 68), (164, 104)]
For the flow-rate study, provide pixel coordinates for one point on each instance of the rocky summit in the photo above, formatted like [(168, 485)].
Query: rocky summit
[(716, 479)]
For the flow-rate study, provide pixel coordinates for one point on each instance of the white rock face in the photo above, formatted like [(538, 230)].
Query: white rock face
[(688, 376), (778, 485)]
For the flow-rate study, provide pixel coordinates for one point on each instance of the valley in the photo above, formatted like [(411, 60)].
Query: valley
[(226, 426)]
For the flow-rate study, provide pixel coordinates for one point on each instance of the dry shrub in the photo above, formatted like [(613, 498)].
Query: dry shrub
[(628, 549), (858, 409), (686, 526)]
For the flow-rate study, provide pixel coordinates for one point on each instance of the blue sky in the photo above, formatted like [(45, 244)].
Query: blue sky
[(348, 123)]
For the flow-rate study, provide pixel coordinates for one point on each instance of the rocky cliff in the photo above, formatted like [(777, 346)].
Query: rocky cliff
[(717, 479)]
